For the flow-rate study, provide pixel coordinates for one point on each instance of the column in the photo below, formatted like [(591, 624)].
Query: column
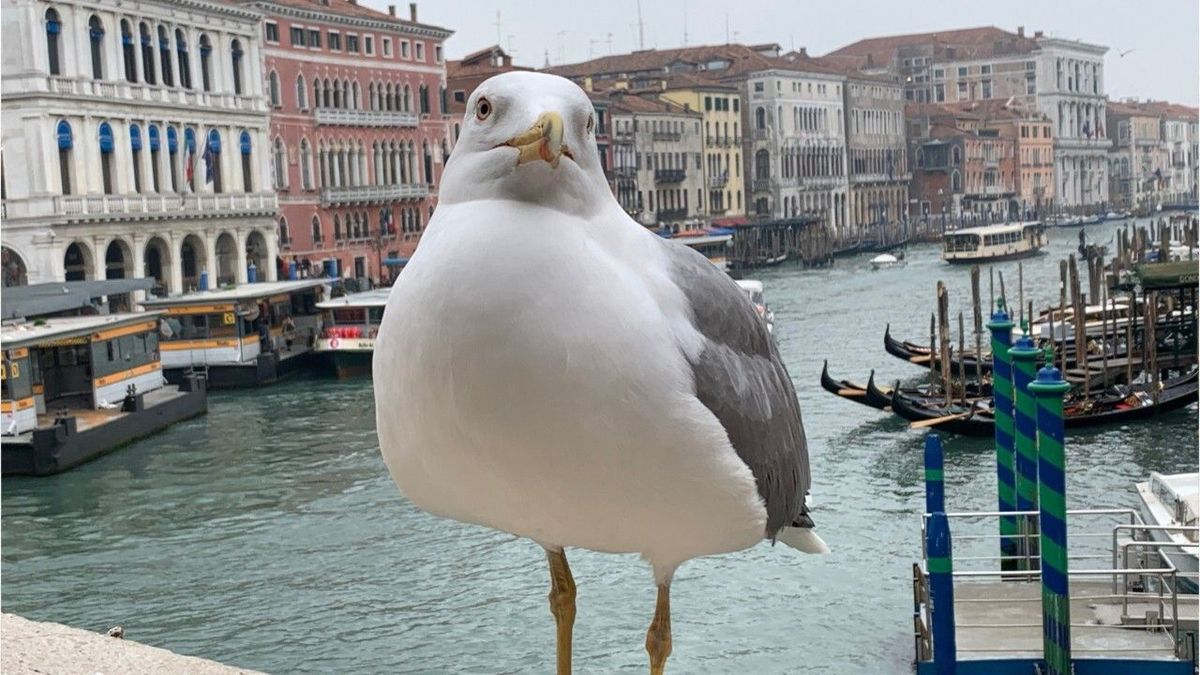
[(210, 258), (270, 273), (241, 275), (175, 242), (138, 244)]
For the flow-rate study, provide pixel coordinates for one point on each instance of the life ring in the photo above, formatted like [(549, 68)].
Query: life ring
[(333, 343)]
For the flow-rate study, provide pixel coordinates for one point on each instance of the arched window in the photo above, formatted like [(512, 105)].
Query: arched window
[(127, 53), (428, 165), (245, 146), (147, 53), (235, 53), (956, 154), (164, 52), (189, 153), (285, 236), (317, 235), (424, 94), (66, 142), (205, 63), (956, 181), (301, 93), (279, 164), (406, 103), (96, 38), (762, 165), (317, 93), (212, 160), (106, 158), (355, 96), (135, 149), (155, 142), (273, 89), (53, 42), (181, 52), (173, 158), (337, 228), (327, 94), (306, 174)]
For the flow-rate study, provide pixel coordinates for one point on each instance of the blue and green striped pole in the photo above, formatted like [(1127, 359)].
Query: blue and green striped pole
[(1052, 492), (1002, 394), (1024, 366), (935, 487), (941, 594)]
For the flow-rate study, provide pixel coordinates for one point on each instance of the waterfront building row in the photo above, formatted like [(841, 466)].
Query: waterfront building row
[(1154, 156)]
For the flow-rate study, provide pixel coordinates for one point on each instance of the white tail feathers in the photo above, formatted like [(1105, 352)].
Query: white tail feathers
[(802, 539)]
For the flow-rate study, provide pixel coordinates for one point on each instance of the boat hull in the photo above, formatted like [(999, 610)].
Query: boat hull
[(1016, 255)]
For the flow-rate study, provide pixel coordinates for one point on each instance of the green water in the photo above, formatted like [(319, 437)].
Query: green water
[(268, 535)]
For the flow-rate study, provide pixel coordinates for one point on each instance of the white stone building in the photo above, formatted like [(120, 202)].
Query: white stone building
[(105, 104), (796, 142)]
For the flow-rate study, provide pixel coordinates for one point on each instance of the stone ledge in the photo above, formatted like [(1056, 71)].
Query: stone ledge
[(38, 648)]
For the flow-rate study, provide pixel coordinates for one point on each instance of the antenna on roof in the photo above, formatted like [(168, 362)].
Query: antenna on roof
[(546, 64), (726, 27), (610, 44), (641, 27), (684, 23), (499, 39)]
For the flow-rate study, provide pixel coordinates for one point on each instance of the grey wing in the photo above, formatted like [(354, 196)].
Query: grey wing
[(741, 379)]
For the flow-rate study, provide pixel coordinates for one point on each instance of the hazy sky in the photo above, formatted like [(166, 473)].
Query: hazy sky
[(1162, 33)]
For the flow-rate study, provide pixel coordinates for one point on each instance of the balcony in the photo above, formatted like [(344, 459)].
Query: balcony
[(366, 118), (121, 91), (109, 207), (729, 141), (672, 136), (672, 214), (718, 181), (762, 184), (1082, 143), (372, 194), (625, 172), (623, 135), (996, 190), (762, 134), (669, 175)]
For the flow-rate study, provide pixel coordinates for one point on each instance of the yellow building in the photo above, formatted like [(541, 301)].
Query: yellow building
[(724, 187)]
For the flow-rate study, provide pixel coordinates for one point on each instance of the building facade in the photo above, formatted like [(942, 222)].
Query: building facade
[(721, 108), (658, 161), (135, 143), (796, 150), (360, 130), (877, 153)]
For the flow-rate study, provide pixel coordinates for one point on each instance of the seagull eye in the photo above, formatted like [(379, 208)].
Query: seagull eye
[(483, 109), (591, 122)]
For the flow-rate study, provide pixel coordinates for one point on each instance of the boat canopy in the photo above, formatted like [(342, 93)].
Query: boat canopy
[(61, 330), (239, 293), (373, 298)]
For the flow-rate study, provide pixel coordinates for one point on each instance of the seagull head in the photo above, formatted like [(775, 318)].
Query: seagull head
[(529, 137)]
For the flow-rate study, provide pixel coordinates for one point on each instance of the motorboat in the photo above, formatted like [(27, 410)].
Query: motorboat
[(754, 292), (885, 261), (1173, 501)]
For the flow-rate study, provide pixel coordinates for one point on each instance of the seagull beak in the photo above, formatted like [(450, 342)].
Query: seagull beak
[(543, 141)]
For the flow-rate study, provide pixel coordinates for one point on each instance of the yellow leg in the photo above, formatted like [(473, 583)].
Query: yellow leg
[(658, 638), (562, 605)]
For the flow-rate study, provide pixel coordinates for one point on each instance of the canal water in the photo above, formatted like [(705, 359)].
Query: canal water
[(267, 534)]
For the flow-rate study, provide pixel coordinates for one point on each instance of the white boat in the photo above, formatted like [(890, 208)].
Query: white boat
[(885, 261), (350, 323), (1174, 501), (754, 291), (993, 243)]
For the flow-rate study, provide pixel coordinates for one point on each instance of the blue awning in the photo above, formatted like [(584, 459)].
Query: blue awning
[(244, 142), (152, 132), (189, 139), (214, 141), (172, 140), (135, 137), (65, 140), (106, 138), (395, 262)]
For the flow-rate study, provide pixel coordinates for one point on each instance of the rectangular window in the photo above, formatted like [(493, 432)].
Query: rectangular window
[(437, 53), (404, 49), (297, 35), (335, 41), (962, 71), (352, 44), (314, 38), (420, 51), (386, 46), (369, 45), (962, 91), (987, 88), (985, 69), (272, 33), (938, 73)]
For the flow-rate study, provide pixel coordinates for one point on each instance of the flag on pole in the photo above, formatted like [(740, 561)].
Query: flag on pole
[(210, 161), (189, 163)]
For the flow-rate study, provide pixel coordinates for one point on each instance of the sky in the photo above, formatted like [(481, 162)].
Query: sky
[(1158, 39)]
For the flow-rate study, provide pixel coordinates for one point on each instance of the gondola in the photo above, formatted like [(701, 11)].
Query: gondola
[(846, 389), (1118, 404), (919, 355), (880, 398)]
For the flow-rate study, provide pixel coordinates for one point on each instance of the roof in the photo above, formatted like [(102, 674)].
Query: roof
[(688, 67), (1153, 109), (979, 42), (624, 103), (243, 292), (52, 298), (376, 297), (346, 9), (993, 229), (33, 333)]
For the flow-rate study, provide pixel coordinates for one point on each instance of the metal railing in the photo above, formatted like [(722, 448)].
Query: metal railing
[(136, 91), (718, 181), (674, 136), (182, 205), (669, 175)]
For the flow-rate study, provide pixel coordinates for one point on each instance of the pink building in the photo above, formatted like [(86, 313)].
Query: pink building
[(359, 131)]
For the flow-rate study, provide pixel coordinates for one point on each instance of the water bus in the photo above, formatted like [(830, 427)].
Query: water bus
[(993, 243), (715, 247), (242, 336), (347, 340), (76, 387)]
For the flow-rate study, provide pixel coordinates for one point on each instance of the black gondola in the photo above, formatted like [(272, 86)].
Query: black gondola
[(916, 354), (880, 398), (846, 389), (1120, 404)]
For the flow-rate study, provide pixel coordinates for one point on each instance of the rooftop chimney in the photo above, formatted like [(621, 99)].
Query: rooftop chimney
[(1037, 33), (804, 52), (392, 10), (1020, 31), (412, 12)]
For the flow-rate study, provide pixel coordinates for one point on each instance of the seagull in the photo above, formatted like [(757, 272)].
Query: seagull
[(550, 368)]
